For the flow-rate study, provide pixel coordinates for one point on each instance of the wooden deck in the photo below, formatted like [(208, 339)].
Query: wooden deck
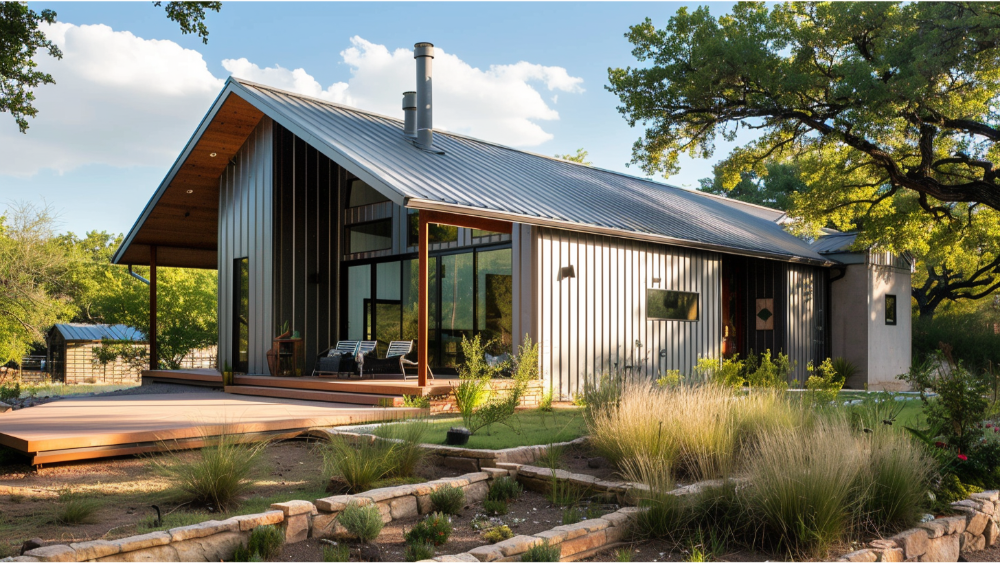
[(93, 427), (205, 377)]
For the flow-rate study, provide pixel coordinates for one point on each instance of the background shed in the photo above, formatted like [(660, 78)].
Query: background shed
[(71, 353)]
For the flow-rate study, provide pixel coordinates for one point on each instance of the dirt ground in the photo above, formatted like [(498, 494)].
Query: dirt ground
[(530, 514)]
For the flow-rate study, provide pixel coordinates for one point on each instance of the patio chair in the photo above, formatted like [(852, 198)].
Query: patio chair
[(394, 361), (329, 361), (366, 352)]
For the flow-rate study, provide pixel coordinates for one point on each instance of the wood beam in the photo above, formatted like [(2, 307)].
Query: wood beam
[(154, 360)]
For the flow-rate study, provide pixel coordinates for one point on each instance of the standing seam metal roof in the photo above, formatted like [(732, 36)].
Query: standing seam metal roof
[(96, 332)]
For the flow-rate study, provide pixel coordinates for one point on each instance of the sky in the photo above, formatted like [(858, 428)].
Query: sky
[(131, 88)]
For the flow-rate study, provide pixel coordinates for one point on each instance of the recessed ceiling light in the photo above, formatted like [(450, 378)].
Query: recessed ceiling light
[(190, 191), (213, 155)]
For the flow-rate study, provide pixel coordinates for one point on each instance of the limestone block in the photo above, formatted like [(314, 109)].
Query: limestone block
[(554, 537), (987, 507), (494, 472), (217, 547), (20, 558), (487, 463), (583, 543), (991, 496), (476, 492), (913, 542), (883, 544), (477, 476), (388, 493), (157, 553), (615, 534), (327, 526), (203, 529), (53, 553), (861, 555), (583, 480), (250, 521), (94, 549), (508, 466), (935, 529), (461, 557), (424, 504), (991, 533), (972, 542), (145, 541), (294, 507), (944, 548), (296, 528), (486, 553), (894, 555), (976, 523), (403, 507), (617, 518), (517, 545), (956, 524)]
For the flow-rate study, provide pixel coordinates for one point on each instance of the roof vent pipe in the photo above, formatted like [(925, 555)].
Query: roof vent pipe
[(410, 114), (424, 53)]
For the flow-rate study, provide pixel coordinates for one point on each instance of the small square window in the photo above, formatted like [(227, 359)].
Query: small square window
[(890, 309), (671, 305)]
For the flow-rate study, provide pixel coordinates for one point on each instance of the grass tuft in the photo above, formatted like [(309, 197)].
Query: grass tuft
[(448, 499), (218, 475), (542, 552), (339, 553), (76, 510)]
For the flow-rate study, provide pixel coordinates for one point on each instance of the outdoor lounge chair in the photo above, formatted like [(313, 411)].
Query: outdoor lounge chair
[(329, 361), (394, 361), (366, 352)]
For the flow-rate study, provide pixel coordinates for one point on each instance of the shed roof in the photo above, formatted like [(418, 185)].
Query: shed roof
[(480, 178), (97, 332), (835, 243)]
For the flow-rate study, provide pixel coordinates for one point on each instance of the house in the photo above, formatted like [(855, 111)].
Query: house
[(352, 225), (871, 324), (71, 353)]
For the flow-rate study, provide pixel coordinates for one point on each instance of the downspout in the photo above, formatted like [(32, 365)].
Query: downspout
[(137, 276)]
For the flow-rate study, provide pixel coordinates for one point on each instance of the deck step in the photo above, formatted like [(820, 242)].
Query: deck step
[(314, 395), (362, 386)]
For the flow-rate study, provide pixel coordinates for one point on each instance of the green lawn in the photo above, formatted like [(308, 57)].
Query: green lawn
[(536, 427), (911, 415)]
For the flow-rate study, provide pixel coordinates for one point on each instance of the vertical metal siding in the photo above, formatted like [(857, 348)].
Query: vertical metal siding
[(805, 321), (245, 231), (587, 323)]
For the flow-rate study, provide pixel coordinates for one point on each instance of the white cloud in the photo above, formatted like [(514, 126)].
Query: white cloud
[(118, 99), (501, 104)]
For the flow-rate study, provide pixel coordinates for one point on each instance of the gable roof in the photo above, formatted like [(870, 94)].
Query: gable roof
[(97, 332), (480, 178), (835, 243)]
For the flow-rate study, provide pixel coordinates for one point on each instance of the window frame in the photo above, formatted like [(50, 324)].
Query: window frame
[(697, 305), (348, 231), (894, 320), (350, 192)]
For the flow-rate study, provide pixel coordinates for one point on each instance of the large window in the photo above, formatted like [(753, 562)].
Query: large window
[(890, 309), (360, 193), (369, 237), (671, 305), (438, 233)]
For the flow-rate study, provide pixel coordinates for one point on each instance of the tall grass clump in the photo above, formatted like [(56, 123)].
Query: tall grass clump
[(218, 474), (405, 453), (894, 482), (357, 463), (701, 431), (76, 510)]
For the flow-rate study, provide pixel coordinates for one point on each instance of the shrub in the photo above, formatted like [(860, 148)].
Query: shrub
[(546, 403), (448, 499), (218, 474), (418, 552), (498, 533), (571, 515), (665, 515), (875, 411), (970, 337), (624, 555), (76, 510), (727, 373), (844, 368), (495, 507), (265, 543), (435, 529), (823, 383), (542, 552), (769, 372), (336, 553), (504, 488), (362, 522), (10, 392), (670, 377), (469, 394), (416, 401)]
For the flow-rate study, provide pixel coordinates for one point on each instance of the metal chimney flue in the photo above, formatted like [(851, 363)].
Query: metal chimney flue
[(424, 54), (410, 114)]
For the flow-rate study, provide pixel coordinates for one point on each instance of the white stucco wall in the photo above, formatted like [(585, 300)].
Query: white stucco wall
[(889, 346)]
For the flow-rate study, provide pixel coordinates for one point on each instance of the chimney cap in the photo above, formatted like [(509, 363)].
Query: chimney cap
[(409, 100), (423, 49)]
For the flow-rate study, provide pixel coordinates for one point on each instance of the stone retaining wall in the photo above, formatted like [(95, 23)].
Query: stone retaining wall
[(942, 539)]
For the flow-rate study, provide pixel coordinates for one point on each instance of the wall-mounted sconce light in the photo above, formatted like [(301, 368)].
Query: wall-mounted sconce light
[(567, 272), (656, 280)]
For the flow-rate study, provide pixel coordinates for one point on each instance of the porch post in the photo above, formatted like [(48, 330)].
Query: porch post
[(422, 320), (154, 360)]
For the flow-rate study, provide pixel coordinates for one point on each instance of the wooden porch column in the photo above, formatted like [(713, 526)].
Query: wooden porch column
[(440, 218), (154, 359)]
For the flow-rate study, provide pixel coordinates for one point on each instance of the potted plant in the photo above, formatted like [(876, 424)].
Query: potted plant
[(457, 436), (227, 374)]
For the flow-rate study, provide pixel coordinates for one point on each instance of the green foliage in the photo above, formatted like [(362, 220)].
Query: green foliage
[(404, 452), (766, 372), (266, 541), (416, 401), (950, 489), (191, 16), (361, 464), (669, 377), (824, 383), (505, 489), (728, 373), (469, 394), (418, 552), (542, 552), (495, 507), (546, 403), (498, 533), (875, 411), (773, 189), (435, 530), (564, 493), (968, 335), (571, 515), (339, 553), (448, 499), (18, 67), (844, 368), (362, 522), (75, 510), (218, 474), (624, 555), (580, 157), (961, 403), (481, 408), (10, 391)]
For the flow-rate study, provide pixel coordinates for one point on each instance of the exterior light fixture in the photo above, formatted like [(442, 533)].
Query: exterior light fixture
[(656, 280), (190, 191), (213, 155), (567, 272)]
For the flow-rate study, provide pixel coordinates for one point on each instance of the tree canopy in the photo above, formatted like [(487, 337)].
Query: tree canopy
[(879, 98), (21, 39), (773, 190), (580, 157)]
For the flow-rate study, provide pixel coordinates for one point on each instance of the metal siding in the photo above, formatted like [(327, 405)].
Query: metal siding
[(805, 319), (245, 200), (589, 322)]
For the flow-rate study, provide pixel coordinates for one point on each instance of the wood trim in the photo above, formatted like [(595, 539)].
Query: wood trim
[(154, 358)]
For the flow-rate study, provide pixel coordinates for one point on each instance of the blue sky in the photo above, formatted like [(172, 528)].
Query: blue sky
[(99, 174)]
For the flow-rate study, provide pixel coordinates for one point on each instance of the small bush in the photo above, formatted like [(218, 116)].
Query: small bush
[(498, 533), (542, 552), (823, 383), (10, 392), (963, 401), (564, 493), (571, 515), (495, 507), (435, 529), (218, 475), (357, 465), (504, 488), (727, 373), (546, 403), (417, 401), (77, 510), (336, 553), (265, 543), (404, 452), (845, 369), (448, 499), (418, 552), (624, 555), (362, 522)]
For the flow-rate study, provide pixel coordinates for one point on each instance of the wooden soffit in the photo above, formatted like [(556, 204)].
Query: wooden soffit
[(181, 219)]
